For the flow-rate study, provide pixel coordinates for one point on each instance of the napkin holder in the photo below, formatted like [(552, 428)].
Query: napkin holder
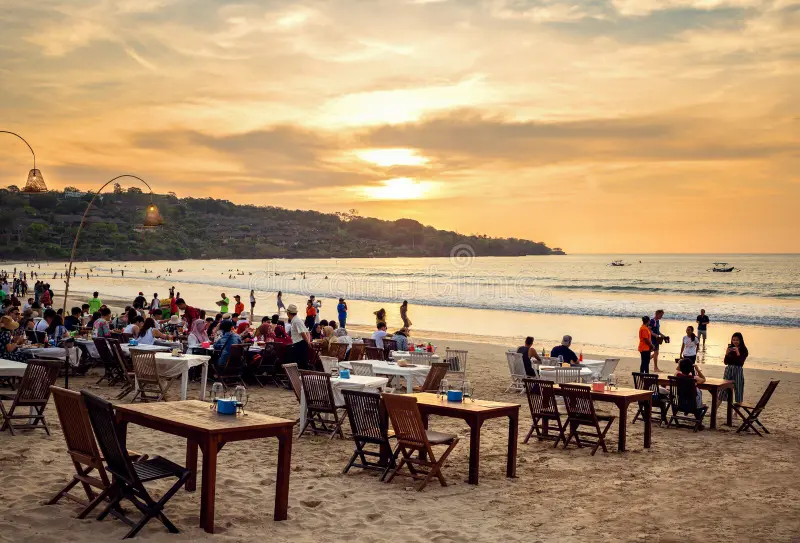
[(206, 345), (344, 374), (226, 406), (455, 396)]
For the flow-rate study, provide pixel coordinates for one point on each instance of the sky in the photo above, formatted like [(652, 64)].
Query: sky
[(606, 126)]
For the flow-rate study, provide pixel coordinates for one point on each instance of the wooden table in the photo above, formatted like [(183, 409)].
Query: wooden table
[(204, 428), (714, 386), (622, 398), (474, 414)]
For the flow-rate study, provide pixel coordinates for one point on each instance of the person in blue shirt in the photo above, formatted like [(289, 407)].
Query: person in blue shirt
[(342, 310), (657, 337), (563, 350), (223, 344)]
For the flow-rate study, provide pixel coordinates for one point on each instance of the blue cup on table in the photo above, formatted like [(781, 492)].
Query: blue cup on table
[(132, 342), (344, 374), (454, 396)]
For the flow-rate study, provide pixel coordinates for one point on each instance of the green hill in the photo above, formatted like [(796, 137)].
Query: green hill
[(43, 226)]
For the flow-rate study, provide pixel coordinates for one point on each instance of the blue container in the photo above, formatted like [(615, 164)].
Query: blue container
[(226, 407), (132, 342), (344, 374), (454, 396)]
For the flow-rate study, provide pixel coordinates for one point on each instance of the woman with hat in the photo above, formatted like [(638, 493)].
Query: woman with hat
[(9, 346), (174, 325)]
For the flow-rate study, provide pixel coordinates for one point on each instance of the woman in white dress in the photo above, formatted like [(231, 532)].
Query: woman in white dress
[(148, 333)]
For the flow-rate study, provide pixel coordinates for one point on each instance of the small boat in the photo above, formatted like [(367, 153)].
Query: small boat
[(722, 267), (618, 263)]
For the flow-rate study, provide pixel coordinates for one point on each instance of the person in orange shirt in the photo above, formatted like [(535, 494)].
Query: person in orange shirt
[(311, 315), (645, 345), (239, 307)]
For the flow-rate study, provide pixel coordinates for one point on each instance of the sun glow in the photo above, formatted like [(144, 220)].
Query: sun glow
[(400, 188), (392, 157)]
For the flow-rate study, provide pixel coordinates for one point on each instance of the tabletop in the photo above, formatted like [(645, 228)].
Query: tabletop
[(9, 368), (478, 406), (617, 393), (199, 416), (157, 348), (710, 381), (192, 359)]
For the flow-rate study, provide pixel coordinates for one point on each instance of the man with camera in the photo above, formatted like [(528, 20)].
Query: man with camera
[(657, 337)]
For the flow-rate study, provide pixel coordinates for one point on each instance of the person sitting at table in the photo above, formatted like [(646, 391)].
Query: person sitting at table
[(57, 332), (379, 334), (101, 326), (47, 318), (280, 334), (9, 346), (135, 324), (225, 341), (316, 332), (528, 351), (198, 334), (265, 332), (687, 368), (563, 351), (148, 332), (401, 337), (73, 320)]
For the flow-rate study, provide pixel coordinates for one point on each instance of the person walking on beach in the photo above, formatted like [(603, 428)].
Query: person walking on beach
[(94, 303), (380, 316), (702, 326), (735, 357), (317, 308), (341, 309), (155, 303), (689, 346), (280, 302), (253, 303), (404, 314), (645, 345), (657, 337)]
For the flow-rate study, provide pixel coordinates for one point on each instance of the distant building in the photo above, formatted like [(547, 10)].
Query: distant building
[(73, 194)]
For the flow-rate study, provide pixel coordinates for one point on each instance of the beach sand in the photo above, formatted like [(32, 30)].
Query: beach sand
[(706, 486)]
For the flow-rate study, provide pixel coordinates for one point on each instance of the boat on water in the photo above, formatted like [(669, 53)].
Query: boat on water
[(723, 267), (618, 264)]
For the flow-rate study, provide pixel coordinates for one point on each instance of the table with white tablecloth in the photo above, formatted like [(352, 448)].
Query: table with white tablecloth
[(412, 375), (172, 366), (355, 382), (9, 368), (405, 355), (150, 348), (170, 344), (549, 373), (91, 348)]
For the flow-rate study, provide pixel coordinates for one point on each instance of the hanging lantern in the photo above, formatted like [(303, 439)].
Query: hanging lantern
[(35, 182), (152, 217)]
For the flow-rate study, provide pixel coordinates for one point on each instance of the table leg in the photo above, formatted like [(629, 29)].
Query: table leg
[(714, 407), (184, 383), (203, 381), (474, 450), (410, 383), (511, 462), (302, 409), (648, 423), (282, 480), (209, 485), (623, 426), (729, 422), (191, 464)]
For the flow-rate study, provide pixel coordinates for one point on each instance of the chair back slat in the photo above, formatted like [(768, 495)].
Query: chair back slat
[(75, 423), (541, 399), (362, 368), (294, 378), (118, 355), (318, 391), (39, 376), (516, 367), (106, 430), (374, 353), (236, 360), (389, 345), (356, 351), (368, 418), (578, 399), (762, 403), (646, 381), (434, 378), (406, 420), (568, 375), (145, 366)]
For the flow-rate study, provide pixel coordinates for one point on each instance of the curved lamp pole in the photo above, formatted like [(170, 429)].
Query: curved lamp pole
[(34, 176)]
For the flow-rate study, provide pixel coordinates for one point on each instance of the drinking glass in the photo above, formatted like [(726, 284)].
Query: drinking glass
[(612, 381), (216, 392), (466, 389), (444, 386)]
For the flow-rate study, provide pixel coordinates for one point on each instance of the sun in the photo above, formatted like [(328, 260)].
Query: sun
[(400, 188), (392, 157)]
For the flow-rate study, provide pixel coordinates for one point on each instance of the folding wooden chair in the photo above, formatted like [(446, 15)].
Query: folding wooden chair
[(413, 437), (234, 368), (749, 415), (322, 413), (389, 345), (568, 375), (369, 342), (357, 351), (649, 381), (683, 398), (362, 368), (128, 477), (457, 360), (374, 353), (370, 426), (608, 368), (293, 375), (543, 406), (126, 374), (110, 364), (420, 359), (434, 378), (33, 393), (150, 385), (516, 369), (270, 363), (580, 412)]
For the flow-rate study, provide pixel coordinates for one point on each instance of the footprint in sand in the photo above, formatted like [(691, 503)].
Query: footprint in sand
[(311, 503)]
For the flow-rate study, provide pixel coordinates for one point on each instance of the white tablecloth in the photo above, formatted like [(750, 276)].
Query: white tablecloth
[(549, 373), (56, 353), (90, 346), (9, 368), (172, 366), (156, 348), (411, 375), (356, 382), (170, 344), (405, 355)]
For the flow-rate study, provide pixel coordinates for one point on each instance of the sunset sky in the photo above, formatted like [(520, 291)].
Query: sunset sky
[(596, 125)]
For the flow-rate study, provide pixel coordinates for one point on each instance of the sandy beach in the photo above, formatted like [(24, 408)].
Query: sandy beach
[(727, 487)]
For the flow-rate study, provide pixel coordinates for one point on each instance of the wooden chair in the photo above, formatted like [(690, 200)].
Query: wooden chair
[(580, 412), (150, 385), (420, 359), (683, 398), (434, 378), (370, 426), (543, 406), (608, 368), (374, 353), (128, 477), (362, 368), (389, 345), (322, 413), (293, 375), (110, 364), (357, 351), (33, 393), (568, 375), (457, 360), (269, 365), (126, 375), (649, 381), (413, 437), (749, 415), (369, 342), (516, 368), (234, 368)]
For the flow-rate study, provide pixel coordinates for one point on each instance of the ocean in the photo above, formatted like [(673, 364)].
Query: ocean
[(505, 297)]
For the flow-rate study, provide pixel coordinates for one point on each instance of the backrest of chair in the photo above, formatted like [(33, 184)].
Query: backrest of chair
[(568, 375), (457, 359), (389, 345), (514, 360), (329, 363), (645, 381), (36, 336), (374, 353), (406, 420), (103, 350), (369, 342), (367, 416), (294, 378), (339, 350), (684, 393), (362, 368), (762, 403), (236, 359), (423, 359), (144, 366), (39, 376), (317, 389), (118, 354), (75, 425), (357, 351), (578, 399), (435, 375), (608, 368), (104, 424), (541, 398)]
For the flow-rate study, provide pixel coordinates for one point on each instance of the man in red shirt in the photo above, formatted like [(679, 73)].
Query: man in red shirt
[(645, 345), (190, 314), (239, 307)]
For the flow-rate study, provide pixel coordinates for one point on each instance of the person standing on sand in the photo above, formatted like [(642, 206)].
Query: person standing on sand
[(645, 345), (94, 303), (404, 314), (301, 338), (317, 308), (190, 314), (735, 357), (689, 345), (238, 307), (657, 337), (380, 316), (280, 302), (253, 303), (702, 326), (341, 309), (155, 303), (223, 303)]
